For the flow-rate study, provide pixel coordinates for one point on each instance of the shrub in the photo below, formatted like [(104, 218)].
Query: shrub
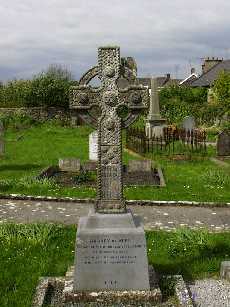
[(177, 102), (222, 93), (17, 121), (49, 92), (15, 93), (49, 88)]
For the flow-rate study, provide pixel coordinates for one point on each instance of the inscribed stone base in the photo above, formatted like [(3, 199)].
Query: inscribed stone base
[(110, 253)]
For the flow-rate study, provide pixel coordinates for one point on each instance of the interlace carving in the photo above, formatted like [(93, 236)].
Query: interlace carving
[(109, 98)]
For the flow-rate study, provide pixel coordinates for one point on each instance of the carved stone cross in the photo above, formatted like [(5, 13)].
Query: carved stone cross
[(110, 99)]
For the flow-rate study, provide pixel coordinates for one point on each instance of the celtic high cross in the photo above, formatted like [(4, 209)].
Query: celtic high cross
[(110, 99)]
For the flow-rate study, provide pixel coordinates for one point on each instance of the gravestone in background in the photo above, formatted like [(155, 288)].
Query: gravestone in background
[(73, 121), (69, 165), (2, 143), (223, 143), (188, 123), (110, 246), (93, 146), (140, 166), (154, 123)]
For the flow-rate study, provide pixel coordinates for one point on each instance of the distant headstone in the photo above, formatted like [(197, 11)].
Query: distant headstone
[(140, 166), (158, 131), (2, 143), (223, 143), (69, 165), (93, 146), (155, 123), (89, 166), (188, 123), (74, 121)]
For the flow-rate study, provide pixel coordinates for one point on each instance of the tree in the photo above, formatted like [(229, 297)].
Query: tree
[(50, 88), (178, 101), (221, 89), (57, 71)]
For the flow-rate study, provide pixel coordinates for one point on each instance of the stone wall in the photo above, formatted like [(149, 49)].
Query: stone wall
[(43, 114)]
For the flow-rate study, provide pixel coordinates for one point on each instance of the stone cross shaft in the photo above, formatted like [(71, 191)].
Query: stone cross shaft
[(110, 99)]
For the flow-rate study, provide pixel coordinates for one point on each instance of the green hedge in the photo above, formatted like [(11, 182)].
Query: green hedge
[(177, 102), (50, 88)]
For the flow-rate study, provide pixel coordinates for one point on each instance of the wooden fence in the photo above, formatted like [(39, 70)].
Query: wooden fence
[(172, 141)]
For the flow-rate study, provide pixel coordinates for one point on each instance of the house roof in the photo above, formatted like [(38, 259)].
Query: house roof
[(172, 82), (144, 81), (161, 81), (189, 80), (207, 79)]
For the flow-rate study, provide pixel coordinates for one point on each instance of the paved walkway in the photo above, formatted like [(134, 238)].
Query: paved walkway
[(154, 217)]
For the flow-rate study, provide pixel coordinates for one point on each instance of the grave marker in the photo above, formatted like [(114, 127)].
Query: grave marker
[(93, 146), (69, 165), (110, 246), (188, 123), (140, 166), (223, 143), (154, 123)]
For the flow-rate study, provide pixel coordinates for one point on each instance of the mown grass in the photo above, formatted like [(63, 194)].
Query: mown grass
[(28, 252), (195, 180), (194, 254), (31, 150)]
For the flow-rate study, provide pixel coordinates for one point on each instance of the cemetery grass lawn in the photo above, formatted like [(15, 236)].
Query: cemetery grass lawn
[(195, 180), (28, 252), (30, 151)]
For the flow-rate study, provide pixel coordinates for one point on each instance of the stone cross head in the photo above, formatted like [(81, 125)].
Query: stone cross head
[(110, 100)]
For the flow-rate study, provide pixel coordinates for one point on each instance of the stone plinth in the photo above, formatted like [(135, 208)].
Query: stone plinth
[(93, 146), (58, 292), (110, 253), (132, 298)]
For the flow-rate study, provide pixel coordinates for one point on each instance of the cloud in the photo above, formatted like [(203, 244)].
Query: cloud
[(163, 36)]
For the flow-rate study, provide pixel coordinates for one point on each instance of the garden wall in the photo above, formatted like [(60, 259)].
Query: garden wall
[(43, 114)]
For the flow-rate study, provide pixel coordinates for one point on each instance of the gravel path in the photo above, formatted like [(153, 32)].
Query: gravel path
[(154, 217), (210, 293)]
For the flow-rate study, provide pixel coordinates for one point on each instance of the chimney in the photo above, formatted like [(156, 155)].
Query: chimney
[(193, 70), (167, 77), (209, 63)]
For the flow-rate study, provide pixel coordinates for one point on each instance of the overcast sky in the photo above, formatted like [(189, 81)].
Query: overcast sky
[(164, 36)]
